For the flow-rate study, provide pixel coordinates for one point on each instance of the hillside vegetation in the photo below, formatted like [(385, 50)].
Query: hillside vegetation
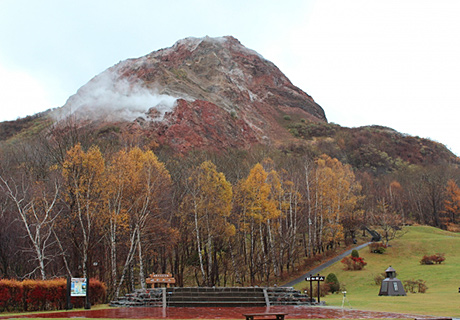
[(443, 280), (374, 149), (240, 217)]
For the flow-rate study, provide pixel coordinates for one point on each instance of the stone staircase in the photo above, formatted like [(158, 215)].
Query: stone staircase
[(213, 297), (140, 298), (282, 296)]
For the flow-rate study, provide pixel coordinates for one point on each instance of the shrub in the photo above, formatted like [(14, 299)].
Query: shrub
[(353, 263), (294, 132), (377, 247), (355, 253), (287, 117), (333, 282), (33, 295), (323, 289), (43, 294), (10, 295), (414, 286), (379, 278), (426, 260), (437, 258)]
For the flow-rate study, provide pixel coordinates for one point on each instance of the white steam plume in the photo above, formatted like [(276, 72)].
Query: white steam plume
[(107, 97)]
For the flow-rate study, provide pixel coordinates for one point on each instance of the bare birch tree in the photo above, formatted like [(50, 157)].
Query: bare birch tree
[(37, 210)]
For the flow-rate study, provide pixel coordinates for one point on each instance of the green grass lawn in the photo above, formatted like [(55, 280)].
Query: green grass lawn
[(442, 297)]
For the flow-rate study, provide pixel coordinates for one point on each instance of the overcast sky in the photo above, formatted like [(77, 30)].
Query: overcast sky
[(394, 63)]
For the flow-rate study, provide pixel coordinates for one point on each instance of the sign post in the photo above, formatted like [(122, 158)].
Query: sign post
[(311, 279), (87, 302), (68, 305), (78, 287), (157, 279)]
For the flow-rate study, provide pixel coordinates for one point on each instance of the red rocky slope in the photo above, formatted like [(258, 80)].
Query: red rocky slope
[(201, 92)]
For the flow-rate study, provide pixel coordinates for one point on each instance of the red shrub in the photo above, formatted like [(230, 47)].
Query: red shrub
[(353, 263), (36, 297), (426, 260), (437, 258), (31, 295), (10, 295), (5, 295)]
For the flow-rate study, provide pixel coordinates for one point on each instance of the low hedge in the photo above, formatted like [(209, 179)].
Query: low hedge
[(34, 295)]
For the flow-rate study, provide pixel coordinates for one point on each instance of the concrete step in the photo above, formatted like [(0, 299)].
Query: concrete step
[(214, 297), (210, 295), (216, 304), (215, 289), (211, 299)]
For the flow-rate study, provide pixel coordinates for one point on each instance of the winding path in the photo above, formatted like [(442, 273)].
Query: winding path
[(323, 266)]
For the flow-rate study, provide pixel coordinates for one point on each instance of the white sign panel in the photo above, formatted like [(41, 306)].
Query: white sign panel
[(78, 287)]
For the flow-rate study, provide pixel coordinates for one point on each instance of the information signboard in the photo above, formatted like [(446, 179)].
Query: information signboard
[(78, 287)]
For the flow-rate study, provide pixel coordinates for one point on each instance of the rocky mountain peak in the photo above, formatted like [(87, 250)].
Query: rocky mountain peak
[(248, 95)]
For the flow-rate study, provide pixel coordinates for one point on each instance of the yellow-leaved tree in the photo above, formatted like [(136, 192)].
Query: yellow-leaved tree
[(83, 173), (258, 207), (335, 196), (119, 175), (207, 206), (146, 189)]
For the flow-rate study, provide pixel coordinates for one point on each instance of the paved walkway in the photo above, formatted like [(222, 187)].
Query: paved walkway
[(293, 312), (323, 266)]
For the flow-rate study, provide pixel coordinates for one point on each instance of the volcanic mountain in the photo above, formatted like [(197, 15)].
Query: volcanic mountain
[(201, 92)]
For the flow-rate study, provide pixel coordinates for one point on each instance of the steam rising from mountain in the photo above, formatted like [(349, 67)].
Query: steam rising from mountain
[(111, 98), (199, 93)]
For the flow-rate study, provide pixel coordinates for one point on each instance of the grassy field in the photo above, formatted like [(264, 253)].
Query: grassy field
[(442, 297)]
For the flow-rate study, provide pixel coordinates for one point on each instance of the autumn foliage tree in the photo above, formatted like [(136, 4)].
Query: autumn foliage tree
[(110, 209), (83, 173), (452, 201), (258, 210), (207, 206), (335, 197), (136, 199)]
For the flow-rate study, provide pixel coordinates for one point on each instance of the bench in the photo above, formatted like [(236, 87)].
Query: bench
[(158, 279), (265, 316)]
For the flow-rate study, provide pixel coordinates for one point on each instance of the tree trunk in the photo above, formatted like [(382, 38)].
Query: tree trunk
[(128, 261), (141, 260), (198, 242)]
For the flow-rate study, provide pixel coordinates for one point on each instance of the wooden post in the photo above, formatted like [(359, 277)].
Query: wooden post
[(311, 279), (318, 289)]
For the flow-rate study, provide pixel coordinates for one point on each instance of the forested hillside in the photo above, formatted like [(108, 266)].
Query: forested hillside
[(204, 160), (116, 205)]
